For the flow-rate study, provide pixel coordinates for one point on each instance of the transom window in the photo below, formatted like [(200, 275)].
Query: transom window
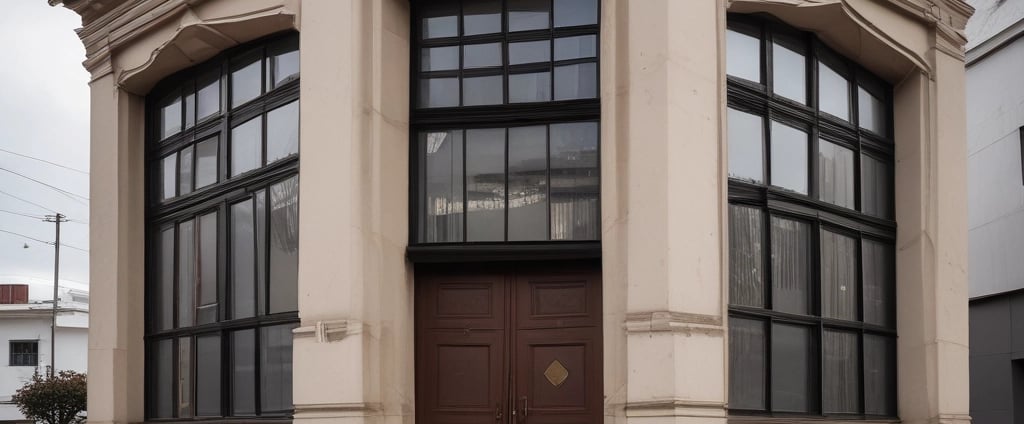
[(221, 286), (505, 122), (812, 312), (24, 353)]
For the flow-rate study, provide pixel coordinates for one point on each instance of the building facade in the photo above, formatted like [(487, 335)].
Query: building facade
[(996, 209), (528, 210), (25, 339)]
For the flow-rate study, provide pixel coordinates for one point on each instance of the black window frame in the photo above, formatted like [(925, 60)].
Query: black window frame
[(758, 98), (494, 116), (163, 214), (23, 359)]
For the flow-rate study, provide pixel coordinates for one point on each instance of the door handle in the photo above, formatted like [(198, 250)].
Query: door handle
[(526, 407), (497, 412)]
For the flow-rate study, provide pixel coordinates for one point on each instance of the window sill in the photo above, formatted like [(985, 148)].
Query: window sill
[(743, 419)]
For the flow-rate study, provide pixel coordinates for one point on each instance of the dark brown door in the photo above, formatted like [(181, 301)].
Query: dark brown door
[(515, 345)]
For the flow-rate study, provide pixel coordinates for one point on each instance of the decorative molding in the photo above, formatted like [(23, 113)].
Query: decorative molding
[(330, 331), (991, 45), (336, 410), (676, 408), (676, 322)]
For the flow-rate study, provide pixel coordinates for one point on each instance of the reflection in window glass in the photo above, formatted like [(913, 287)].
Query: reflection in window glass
[(283, 132), (839, 293), (524, 15), (525, 88), (481, 55), (567, 48), (163, 304), (168, 166), (481, 17), (442, 215), (246, 146), (746, 144), (206, 286), (575, 182), (794, 358), (206, 162), (185, 171), (243, 289), (743, 55), (243, 372), (529, 52), (170, 117), (878, 260), (833, 92), (575, 12), (190, 109), (875, 187), (162, 391), (208, 376), (441, 20), (184, 377), (576, 81), (879, 375), (789, 70), (276, 368), (835, 174), (284, 246), (789, 157), (482, 91), (282, 62), (746, 256), (260, 199), (528, 183), (791, 266), (439, 58), (186, 273), (871, 112), (439, 92), (747, 373), (246, 83), (842, 372), (485, 184), (209, 95)]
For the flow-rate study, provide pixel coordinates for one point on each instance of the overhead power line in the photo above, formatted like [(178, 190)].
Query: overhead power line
[(49, 243), (44, 161), (58, 189), (22, 214), (28, 201)]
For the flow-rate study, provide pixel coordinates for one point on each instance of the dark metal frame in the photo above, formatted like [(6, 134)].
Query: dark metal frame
[(758, 98), (217, 197), (11, 353), (493, 116)]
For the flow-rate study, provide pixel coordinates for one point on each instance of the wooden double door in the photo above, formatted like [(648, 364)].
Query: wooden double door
[(511, 344)]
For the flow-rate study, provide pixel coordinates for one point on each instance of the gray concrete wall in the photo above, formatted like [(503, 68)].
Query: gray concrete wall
[(997, 359)]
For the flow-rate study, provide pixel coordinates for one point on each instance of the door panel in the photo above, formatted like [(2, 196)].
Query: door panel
[(558, 300), (465, 376), (558, 376)]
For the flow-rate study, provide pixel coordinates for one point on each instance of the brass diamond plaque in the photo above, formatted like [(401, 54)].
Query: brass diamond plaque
[(556, 373)]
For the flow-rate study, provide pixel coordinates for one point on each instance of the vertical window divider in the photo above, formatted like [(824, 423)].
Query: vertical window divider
[(507, 185), (547, 159)]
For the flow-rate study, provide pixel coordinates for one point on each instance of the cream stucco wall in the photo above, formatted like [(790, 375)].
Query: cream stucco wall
[(663, 195)]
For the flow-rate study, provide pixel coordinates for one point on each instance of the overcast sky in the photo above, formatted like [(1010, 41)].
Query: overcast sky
[(44, 113)]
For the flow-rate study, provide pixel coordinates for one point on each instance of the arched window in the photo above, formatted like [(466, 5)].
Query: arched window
[(812, 310), (222, 229)]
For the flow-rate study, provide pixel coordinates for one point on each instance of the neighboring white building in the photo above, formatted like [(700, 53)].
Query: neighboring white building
[(25, 338)]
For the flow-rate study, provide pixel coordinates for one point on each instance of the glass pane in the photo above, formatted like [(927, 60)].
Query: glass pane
[(743, 55), (439, 92), (168, 179), (276, 368), (535, 87), (170, 116), (833, 92), (576, 81), (839, 293), (525, 15), (439, 58), (746, 256), (441, 184), (246, 82), (575, 12), (208, 376), (190, 109), (878, 261), (791, 266), (247, 146), (871, 112), (207, 285), (794, 359), (567, 48), (529, 52), (789, 70), (186, 273), (485, 184), (206, 162), (260, 199), (482, 91), (185, 171), (164, 303), (835, 174), (842, 372), (282, 62), (528, 183), (481, 17), (789, 158), (481, 55), (746, 146), (284, 246), (441, 19), (876, 187), (747, 355), (243, 372), (575, 182), (209, 94), (184, 377), (283, 132), (879, 375), (162, 396), (242, 260)]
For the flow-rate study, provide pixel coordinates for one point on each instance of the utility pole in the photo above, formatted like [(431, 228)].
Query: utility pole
[(56, 219)]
